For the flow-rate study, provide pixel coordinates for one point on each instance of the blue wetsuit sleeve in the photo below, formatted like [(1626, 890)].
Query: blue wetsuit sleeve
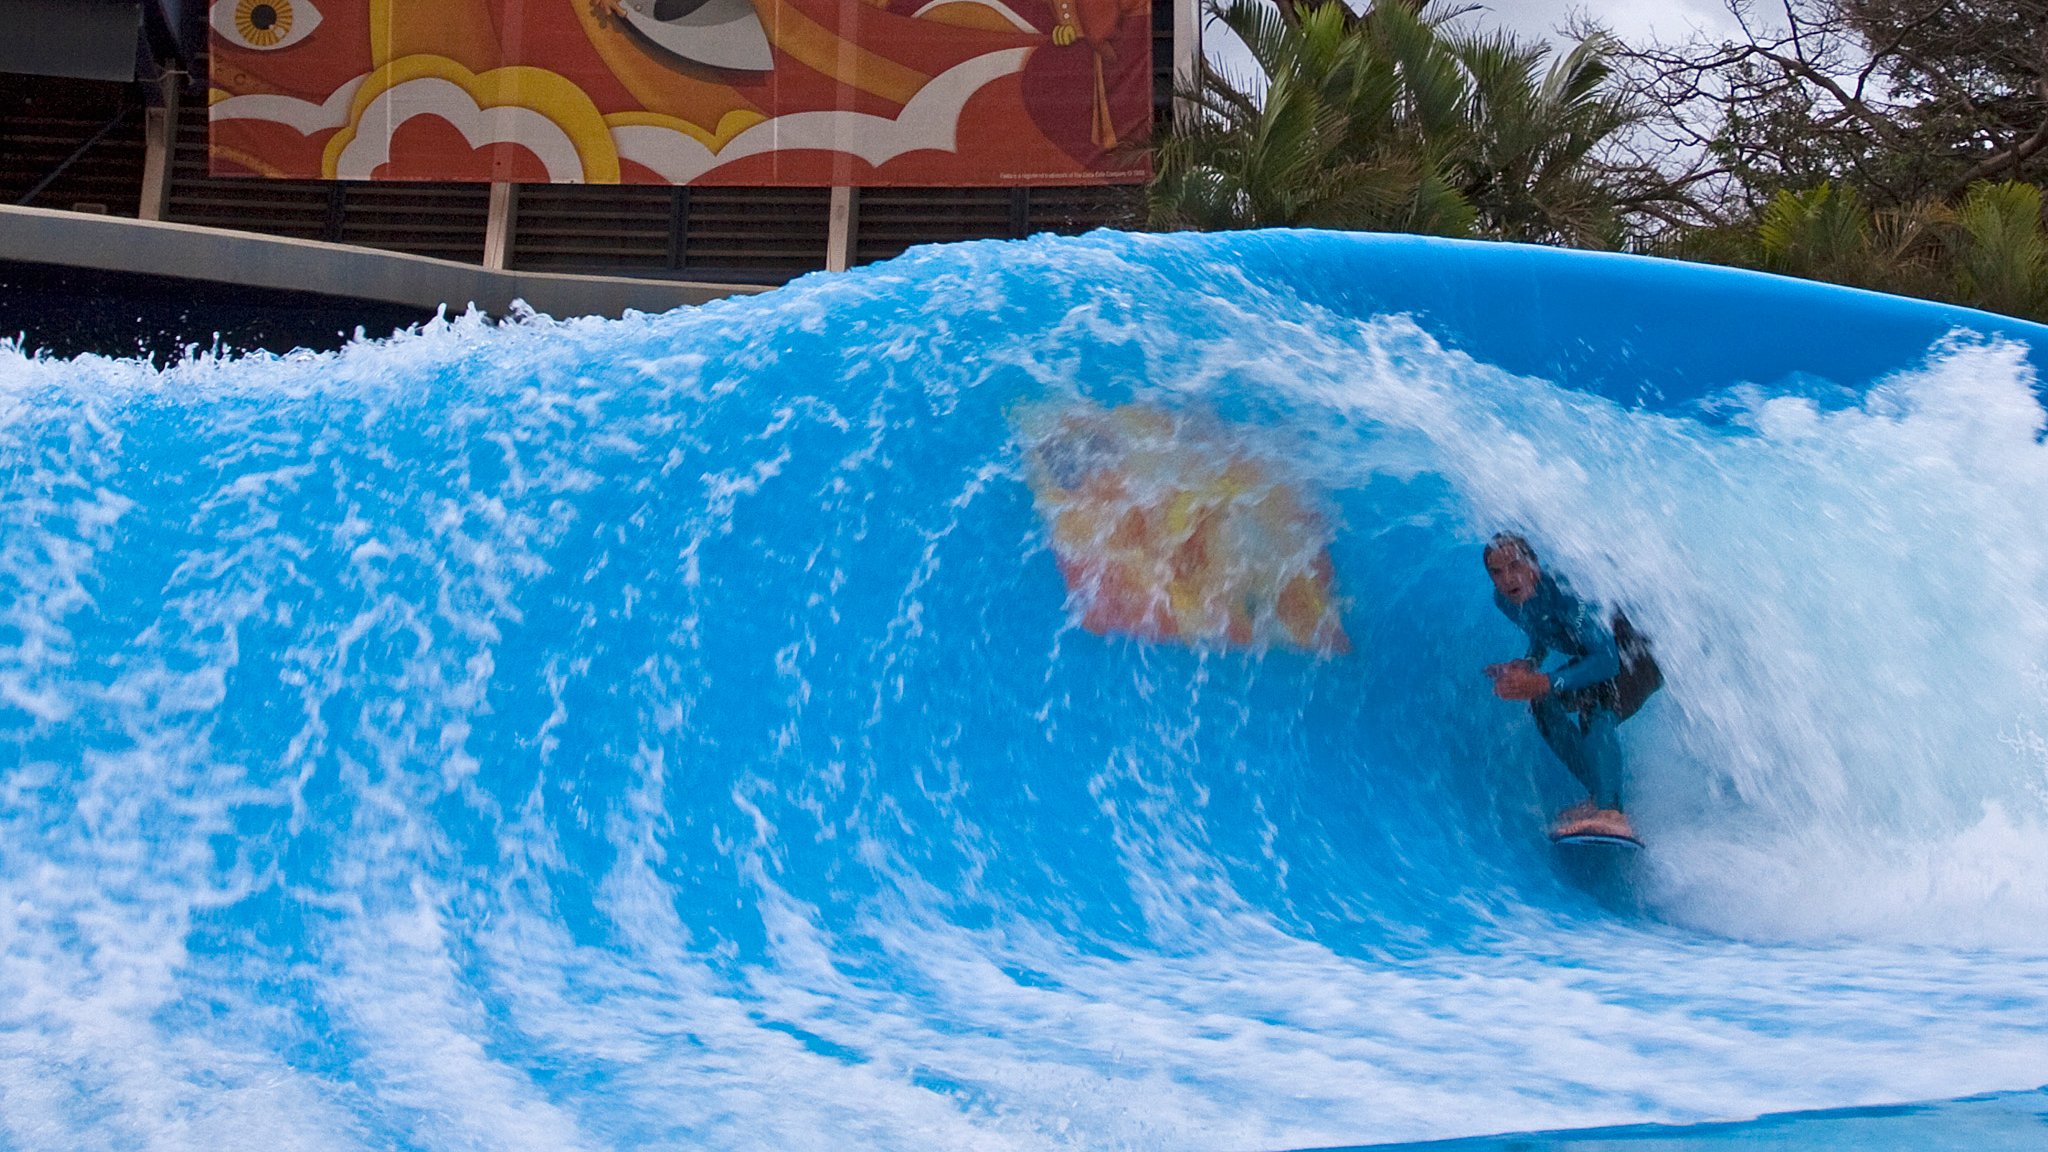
[(1602, 660), (1537, 649)]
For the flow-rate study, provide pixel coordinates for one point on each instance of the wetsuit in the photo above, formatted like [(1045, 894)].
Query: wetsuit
[(1577, 716)]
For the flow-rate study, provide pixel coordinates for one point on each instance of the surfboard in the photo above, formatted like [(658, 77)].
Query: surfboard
[(1579, 826), (1606, 865), (1600, 839)]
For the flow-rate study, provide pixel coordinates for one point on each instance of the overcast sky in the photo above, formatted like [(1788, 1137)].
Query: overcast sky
[(1629, 19), (1635, 21)]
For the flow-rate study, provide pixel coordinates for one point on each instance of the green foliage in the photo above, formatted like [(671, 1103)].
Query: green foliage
[(1528, 165), (1393, 120), (1333, 141), (1989, 252), (1387, 121), (1823, 233), (1734, 244), (2000, 254)]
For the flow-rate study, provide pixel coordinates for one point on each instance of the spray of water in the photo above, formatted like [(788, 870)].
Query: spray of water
[(678, 730)]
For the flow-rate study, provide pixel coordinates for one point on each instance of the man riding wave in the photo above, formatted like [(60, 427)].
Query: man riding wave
[(1606, 676)]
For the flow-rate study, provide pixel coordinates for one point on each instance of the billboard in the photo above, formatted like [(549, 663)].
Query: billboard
[(731, 92)]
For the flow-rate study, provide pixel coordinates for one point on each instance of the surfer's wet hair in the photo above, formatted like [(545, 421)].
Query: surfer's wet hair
[(1513, 542)]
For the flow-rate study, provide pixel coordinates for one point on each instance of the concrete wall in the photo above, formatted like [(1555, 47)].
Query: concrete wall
[(42, 236)]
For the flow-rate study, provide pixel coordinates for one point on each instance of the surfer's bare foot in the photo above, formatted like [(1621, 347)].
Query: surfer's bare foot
[(1593, 822), (1576, 814), (1609, 821)]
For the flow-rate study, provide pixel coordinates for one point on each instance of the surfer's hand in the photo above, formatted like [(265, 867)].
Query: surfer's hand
[(1518, 681)]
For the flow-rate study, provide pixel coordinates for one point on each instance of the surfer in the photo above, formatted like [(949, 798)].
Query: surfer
[(1607, 675)]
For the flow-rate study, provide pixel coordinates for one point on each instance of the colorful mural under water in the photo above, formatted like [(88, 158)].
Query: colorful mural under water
[(1167, 529), (733, 92)]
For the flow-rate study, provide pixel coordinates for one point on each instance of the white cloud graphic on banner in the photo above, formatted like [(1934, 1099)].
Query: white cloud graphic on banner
[(303, 115), (930, 120), (431, 96)]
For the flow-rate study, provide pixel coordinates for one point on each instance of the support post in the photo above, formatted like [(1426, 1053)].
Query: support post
[(1187, 54), (159, 141), (842, 228), (498, 225)]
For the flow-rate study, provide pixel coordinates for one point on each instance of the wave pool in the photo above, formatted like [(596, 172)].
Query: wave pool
[(687, 731)]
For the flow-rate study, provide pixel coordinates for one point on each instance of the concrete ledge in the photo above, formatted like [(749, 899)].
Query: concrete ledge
[(116, 244)]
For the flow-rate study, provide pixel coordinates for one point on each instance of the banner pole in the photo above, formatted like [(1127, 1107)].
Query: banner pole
[(1187, 54), (498, 225), (160, 140), (841, 228)]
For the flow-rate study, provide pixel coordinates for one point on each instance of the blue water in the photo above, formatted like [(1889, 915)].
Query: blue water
[(675, 731)]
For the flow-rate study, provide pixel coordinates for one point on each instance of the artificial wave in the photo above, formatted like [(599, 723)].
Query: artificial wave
[(695, 730)]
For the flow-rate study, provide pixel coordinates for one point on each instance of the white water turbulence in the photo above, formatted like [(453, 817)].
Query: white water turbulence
[(679, 731)]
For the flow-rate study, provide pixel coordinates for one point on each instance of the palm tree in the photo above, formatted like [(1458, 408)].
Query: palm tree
[(1342, 137), (1823, 233), (1989, 252), (1388, 120), (1529, 166), (2000, 253)]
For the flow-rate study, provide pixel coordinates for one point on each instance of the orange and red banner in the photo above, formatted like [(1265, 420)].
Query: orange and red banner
[(732, 92)]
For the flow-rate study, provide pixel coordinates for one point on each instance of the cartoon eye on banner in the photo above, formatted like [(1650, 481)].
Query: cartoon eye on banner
[(718, 33), (263, 25), (734, 92)]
